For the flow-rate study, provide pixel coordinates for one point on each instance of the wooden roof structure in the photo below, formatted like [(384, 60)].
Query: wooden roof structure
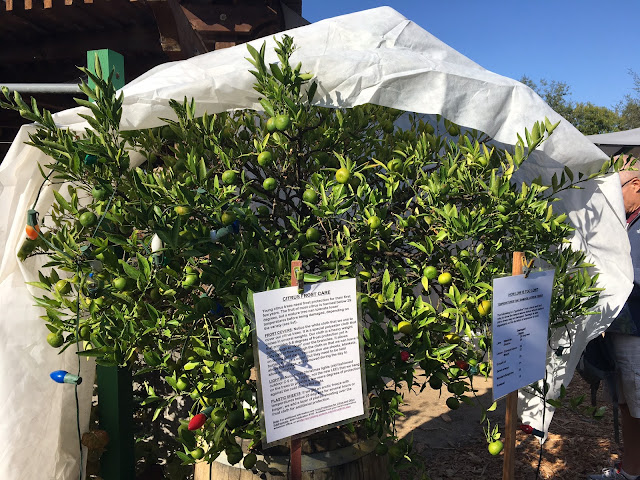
[(43, 41)]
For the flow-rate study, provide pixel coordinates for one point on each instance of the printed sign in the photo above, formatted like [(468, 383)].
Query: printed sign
[(520, 323), (309, 357)]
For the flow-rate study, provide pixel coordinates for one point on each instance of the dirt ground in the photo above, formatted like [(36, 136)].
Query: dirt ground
[(452, 444)]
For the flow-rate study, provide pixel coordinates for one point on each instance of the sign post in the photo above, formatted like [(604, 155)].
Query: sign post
[(309, 362), (520, 323), (511, 416)]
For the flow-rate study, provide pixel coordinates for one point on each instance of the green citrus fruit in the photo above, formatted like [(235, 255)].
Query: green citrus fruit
[(495, 447), (182, 210), (167, 133), (265, 158), (190, 280), (405, 327), (312, 234), (85, 332), (484, 307), (62, 287), (218, 415), (182, 383), (271, 124), (229, 177), (120, 283), (435, 382), (282, 122), (236, 418), (249, 461), (55, 339), (155, 294), (197, 454), (310, 196), (262, 210), (381, 449), (99, 193), (342, 175), (269, 184), (233, 456), (228, 218), (374, 222), (88, 219), (444, 278), (431, 272), (453, 403)]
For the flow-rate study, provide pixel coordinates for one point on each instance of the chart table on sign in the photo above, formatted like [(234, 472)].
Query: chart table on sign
[(520, 323)]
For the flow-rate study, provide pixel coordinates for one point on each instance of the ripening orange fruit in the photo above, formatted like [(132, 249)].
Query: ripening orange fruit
[(32, 232)]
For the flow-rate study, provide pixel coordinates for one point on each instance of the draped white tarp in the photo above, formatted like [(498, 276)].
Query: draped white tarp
[(375, 56)]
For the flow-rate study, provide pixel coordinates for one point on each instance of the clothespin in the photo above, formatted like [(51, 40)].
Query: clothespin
[(527, 266), (529, 430), (300, 279)]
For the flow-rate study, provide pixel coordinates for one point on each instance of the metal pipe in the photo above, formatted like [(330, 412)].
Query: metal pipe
[(63, 88)]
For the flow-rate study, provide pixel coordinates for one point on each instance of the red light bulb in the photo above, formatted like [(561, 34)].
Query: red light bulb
[(197, 421)]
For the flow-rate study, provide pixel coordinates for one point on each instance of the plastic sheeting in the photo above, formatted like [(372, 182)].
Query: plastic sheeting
[(374, 56)]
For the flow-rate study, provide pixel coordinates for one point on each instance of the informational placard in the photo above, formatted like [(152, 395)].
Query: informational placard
[(520, 322), (309, 357)]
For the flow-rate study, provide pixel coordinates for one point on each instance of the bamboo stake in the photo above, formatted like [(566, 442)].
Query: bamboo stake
[(295, 452)]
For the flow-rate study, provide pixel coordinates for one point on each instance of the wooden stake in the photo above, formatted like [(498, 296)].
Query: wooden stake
[(295, 461), (511, 417)]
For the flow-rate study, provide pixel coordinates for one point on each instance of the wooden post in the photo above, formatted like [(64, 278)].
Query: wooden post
[(115, 408), (511, 417), (115, 393), (109, 61), (295, 450)]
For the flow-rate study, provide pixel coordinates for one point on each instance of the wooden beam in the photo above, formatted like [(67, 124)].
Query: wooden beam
[(177, 36), (74, 45)]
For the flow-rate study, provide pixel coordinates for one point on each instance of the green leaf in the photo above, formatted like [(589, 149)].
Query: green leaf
[(129, 270)]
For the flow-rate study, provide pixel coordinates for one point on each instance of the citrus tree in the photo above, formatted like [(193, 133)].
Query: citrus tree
[(154, 262)]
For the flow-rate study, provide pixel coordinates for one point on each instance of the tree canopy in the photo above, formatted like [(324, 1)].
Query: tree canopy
[(587, 117)]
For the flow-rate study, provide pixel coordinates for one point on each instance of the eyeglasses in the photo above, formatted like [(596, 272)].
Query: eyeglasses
[(630, 180)]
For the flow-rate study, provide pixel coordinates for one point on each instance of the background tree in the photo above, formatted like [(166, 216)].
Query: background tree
[(629, 108), (588, 118)]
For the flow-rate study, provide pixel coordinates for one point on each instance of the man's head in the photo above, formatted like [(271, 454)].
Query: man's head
[(630, 183)]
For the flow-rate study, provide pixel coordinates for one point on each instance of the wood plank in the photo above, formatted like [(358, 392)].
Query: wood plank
[(177, 37), (511, 416), (71, 45)]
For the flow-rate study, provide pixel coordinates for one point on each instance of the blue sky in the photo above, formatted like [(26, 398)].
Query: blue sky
[(588, 44)]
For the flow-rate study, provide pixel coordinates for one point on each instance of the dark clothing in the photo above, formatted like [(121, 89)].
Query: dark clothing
[(628, 321)]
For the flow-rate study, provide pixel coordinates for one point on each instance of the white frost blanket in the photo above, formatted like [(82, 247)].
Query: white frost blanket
[(374, 56)]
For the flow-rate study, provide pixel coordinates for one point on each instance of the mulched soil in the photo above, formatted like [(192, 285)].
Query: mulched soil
[(576, 447)]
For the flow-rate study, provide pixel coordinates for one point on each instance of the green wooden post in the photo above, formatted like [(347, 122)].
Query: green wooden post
[(109, 60), (115, 395)]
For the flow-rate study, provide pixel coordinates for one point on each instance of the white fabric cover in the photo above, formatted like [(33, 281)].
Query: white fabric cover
[(374, 56)]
